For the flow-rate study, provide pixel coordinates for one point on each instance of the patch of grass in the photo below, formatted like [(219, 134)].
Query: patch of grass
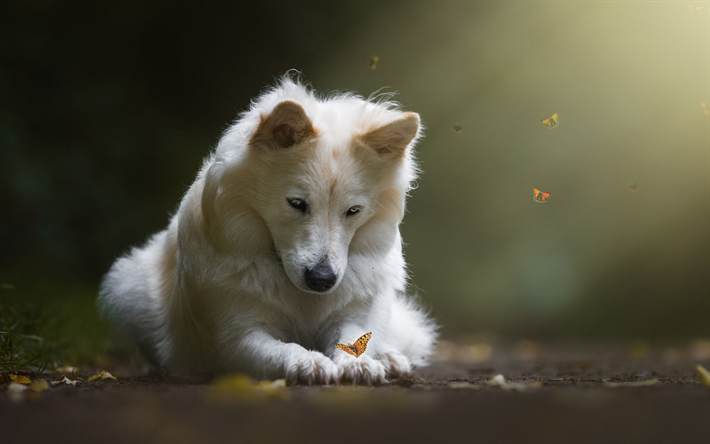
[(42, 329)]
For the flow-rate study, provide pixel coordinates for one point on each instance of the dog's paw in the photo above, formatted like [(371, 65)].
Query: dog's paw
[(397, 365), (311, 368), (362, 370)]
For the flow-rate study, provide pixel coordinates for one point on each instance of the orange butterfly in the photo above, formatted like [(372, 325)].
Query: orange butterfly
[(358, 347), (539, 196), (552, 121)]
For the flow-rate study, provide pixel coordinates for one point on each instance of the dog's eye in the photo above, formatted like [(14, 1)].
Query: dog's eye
[(353, 210), (298, 204)]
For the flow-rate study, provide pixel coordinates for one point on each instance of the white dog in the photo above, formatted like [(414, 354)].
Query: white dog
[(287, 243)]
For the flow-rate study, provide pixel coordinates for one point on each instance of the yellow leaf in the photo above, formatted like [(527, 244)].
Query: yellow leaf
[(238, 385), (20, 379), (703, 374), (95, 377), (39, 385), (103, 375)]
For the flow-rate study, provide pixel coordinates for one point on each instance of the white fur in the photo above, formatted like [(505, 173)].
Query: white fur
[(222, 288)]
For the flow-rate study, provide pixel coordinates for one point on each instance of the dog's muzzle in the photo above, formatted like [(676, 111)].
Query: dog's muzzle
[(320, 278)]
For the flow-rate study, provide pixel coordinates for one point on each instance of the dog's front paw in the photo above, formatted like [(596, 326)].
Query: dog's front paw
[(397, 365), (311, 368), (362, 370)]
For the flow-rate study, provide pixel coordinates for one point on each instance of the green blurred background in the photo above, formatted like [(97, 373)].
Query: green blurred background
[(107, 109)]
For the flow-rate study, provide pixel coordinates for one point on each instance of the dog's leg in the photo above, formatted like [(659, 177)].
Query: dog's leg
[(396, 365), (362, 370), (262, 354)]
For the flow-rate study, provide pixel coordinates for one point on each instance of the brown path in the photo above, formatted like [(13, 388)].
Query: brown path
[(573, 406)]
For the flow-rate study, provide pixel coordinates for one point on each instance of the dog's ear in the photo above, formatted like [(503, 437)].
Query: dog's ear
[(393, 139), (286, 126)]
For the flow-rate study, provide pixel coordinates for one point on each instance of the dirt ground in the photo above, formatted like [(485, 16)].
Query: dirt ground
[(575, 404)]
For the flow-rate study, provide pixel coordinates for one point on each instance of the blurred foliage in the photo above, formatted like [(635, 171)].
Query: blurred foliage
[(107, 109), (47, 329)]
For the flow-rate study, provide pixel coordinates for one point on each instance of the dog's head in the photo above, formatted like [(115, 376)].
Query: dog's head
[(328, 179)]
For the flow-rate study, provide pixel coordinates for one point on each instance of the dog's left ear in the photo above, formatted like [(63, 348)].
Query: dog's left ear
[(286, 126), (393, 139)]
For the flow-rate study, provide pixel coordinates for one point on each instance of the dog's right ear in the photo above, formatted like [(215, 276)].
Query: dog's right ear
[(286, 126)]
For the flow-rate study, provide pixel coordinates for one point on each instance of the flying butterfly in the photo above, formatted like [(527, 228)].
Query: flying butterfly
[(705, 107), (458, 128), (358, 347), (539, 196), (551, 122), (372, 63), (695, 8)]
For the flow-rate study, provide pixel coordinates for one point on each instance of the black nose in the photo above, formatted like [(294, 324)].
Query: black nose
[(320, 278)]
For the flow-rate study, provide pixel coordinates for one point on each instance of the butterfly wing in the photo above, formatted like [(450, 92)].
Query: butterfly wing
[(347, 348), (539, 196), (361, 344), (551, 122)]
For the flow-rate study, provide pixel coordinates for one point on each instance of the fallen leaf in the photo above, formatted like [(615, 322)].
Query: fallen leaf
[(496, 380), (103, 375), (20, 379), (15, 392), (39, 385), (499, 381), (703, 374), (68, 370), (631, 383), (236, 386), (65, 381), (273, 388)]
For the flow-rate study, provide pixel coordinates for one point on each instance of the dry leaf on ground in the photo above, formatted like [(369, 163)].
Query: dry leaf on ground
[(499, 381), (103, 375), (703, 374), (15, 392), (39, 385), (65, 381), (19, 379)]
